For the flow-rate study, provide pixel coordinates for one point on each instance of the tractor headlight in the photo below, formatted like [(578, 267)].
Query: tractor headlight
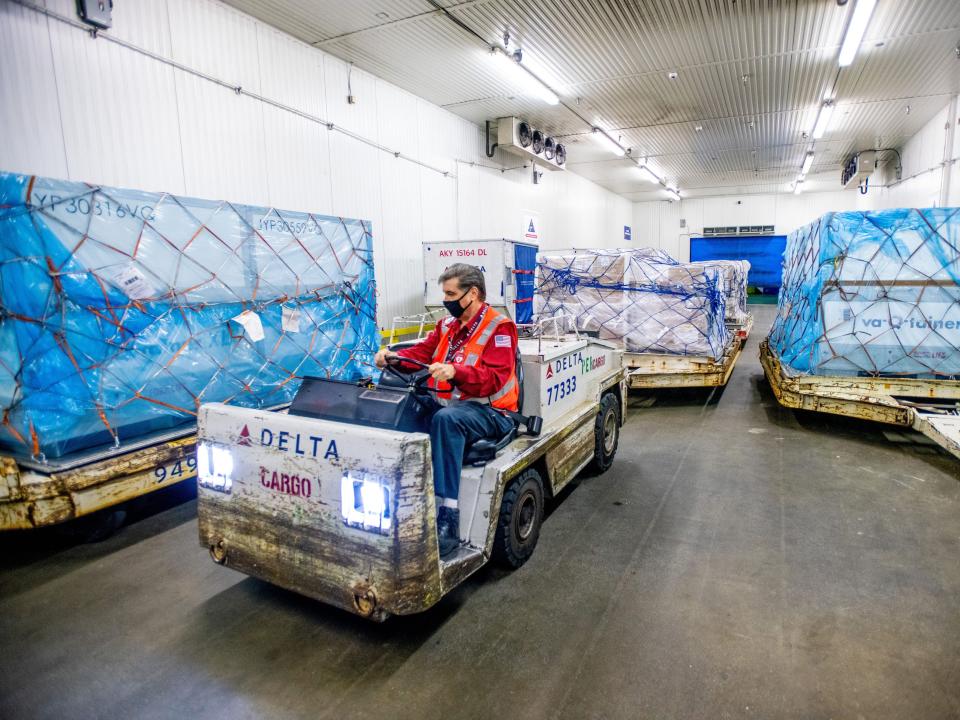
[(365, 502), (214, 467)]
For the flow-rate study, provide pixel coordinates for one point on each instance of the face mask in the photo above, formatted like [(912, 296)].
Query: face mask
[(455, 308)]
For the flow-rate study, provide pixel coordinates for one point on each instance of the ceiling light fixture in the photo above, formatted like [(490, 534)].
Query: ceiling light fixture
[(542, 72), (862, 11), (823, 119), (807, 164), (648, 174), (698, 128), (608, 142), (798, 187), (673, 74), (518, 75)]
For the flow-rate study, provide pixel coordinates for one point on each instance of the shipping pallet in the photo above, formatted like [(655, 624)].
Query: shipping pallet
[(651, 371), (35, 493), (929, 406)]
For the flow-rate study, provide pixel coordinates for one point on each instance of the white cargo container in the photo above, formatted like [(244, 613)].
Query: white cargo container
[(508, 267)]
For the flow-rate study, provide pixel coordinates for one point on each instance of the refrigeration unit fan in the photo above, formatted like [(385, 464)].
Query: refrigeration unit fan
[(561, 155), (519, 137), (524, 134), (537, 142)]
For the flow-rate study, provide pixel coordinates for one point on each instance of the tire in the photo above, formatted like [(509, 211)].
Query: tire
[(606, 430), (521, 515), (93, 528)]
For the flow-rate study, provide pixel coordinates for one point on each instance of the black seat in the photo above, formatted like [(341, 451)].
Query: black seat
[(483, 451)]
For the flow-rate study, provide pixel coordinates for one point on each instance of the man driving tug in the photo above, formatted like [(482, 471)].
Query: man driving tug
[(472, 364)]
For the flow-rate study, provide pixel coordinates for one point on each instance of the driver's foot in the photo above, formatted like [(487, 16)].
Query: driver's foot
[(448, 530)]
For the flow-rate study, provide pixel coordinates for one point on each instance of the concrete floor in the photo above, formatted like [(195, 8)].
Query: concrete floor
[(739, 560)]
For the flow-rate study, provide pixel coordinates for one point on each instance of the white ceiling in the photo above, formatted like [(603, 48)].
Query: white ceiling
[(751, 75)]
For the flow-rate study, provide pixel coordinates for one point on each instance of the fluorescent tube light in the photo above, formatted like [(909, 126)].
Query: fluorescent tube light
[(798, 187), (648, 174), (528, 83), (601, 137), (807, 163), (543, 73), (862, 11), (823, 119)]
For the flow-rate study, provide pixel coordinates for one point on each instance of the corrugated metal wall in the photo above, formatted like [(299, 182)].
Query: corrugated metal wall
[(80, 108)]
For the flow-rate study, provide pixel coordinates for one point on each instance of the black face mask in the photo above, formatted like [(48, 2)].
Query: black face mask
[(455, 308)]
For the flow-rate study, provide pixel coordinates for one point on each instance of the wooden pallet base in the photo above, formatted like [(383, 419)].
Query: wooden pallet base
[(31, 499), (874, 399), (652, 371)]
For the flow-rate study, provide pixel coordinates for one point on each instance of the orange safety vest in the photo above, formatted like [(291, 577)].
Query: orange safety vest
[(508, 396)]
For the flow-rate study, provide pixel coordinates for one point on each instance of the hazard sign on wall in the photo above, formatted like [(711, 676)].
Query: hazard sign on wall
[(531, 227)]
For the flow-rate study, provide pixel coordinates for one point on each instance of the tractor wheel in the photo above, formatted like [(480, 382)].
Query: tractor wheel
[(521, 515), (607, 433)]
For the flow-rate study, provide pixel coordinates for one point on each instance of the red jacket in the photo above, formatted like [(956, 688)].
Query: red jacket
[(490, 373)]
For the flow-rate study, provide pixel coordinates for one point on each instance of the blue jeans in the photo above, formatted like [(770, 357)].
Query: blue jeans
[(452, 429)]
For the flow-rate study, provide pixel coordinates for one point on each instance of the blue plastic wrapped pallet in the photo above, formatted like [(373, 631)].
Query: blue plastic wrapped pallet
[(872, 294), (123, 310), (640, 297)]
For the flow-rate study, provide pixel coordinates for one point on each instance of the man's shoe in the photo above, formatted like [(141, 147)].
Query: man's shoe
[(448, 530)]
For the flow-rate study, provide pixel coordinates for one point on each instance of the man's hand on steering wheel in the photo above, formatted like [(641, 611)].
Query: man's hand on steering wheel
[(383, 356)]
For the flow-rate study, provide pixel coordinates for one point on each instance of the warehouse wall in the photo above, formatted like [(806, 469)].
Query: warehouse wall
[(931, 176), (659, 223), (88, 109), (931, 171)]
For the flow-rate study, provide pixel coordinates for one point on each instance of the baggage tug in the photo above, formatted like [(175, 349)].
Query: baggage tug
[(334, 498)]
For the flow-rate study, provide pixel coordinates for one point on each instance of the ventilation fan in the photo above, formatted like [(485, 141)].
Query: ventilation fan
[(561, 154), (549, 148), (524, 134), (537, 142), (521, 138)]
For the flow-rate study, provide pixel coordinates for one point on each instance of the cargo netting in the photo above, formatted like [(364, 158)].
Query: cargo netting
[(122, 311), (734, 276), (872, 294), (642, 298)]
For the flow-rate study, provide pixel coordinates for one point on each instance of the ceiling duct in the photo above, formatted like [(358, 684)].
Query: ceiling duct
[(519, 137)]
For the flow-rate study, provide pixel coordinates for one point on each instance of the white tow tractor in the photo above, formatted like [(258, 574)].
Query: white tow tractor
[(334, 498)]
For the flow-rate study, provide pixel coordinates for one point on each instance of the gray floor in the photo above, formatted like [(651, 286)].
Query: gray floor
[(739, 560)]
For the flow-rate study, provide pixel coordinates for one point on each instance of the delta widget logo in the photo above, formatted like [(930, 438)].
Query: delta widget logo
[(244, 437)]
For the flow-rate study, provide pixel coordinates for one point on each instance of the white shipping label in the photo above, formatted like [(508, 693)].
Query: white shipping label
[(290, 319), (930, 325), (133, 282), (251, 324), (488, 256)]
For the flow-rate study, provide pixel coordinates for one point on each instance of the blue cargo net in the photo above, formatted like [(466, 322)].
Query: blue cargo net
[(122, 311), (872, 294), (643, 298)]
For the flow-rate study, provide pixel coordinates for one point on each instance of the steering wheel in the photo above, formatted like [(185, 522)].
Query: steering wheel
[(417, 381)]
